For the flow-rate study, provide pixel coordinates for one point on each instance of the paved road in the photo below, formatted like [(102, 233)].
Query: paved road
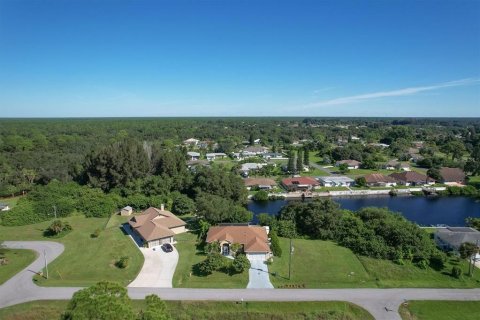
[(381, 303)]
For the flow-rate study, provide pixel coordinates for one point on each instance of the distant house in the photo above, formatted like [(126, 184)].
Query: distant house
[(379, 180), (237, 156), (215, 156), (451, 238), (412, 178), (247, 167), (396, 165), (253, 239), (379, 145), (300, 183), (191, 142), (336, 181), (416, 157), (193, 155), (352, 164), (4, 207), (261, 183), (126, 211), (156, 226), (273, 156), (452, 176), (254, 150)]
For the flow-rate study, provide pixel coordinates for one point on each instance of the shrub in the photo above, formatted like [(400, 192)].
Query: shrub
[(214, 261), (57, 228), (456, 272), (122, 263), (275, 244), (240, 263), (437, 260), (96, 233), (261, 195), (212, 247)]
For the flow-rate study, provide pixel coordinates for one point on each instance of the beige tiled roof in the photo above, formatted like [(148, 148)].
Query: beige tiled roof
[(249, 182), (254, 238), (155, 224)]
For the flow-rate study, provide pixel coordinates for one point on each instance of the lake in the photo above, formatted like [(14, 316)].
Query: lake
[(425, 211)]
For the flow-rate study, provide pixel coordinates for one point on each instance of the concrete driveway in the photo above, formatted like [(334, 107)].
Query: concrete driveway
[(258, 276), (158, 268)]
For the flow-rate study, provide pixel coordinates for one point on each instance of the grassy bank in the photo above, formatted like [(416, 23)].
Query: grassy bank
[(189, 256), (17, 260), (323, 264), (86, 260), (210, 310), (440, 310)]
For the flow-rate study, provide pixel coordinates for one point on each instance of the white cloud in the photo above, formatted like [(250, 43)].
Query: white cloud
[(392, 93)]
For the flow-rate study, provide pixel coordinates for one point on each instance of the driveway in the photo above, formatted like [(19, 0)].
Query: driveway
[(158, 268), (258, 276)]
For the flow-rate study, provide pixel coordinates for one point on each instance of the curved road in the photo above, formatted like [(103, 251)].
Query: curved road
[(381, 303)]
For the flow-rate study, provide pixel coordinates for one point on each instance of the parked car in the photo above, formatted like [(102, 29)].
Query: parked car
[(167, 247)]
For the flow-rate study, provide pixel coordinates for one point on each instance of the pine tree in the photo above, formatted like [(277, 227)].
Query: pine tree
[(300, 161), (306, 157), (291, 161)]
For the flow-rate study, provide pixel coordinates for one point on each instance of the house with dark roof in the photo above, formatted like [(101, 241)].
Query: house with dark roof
[(379, 180), (300, 183), (156, 226), (412, 178), (254, 239), (452, 176), (451, 238)]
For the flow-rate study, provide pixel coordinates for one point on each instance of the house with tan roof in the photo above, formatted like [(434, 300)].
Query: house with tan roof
[(156, 226), (254, 239), (412, 178), (260, 183), (379, 180), (351, 164), (452, 176)]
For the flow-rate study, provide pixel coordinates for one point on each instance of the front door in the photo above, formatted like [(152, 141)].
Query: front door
[(225, 249)]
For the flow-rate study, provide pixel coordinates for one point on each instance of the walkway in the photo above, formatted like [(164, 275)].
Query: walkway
[(383, 304), (258, 275)]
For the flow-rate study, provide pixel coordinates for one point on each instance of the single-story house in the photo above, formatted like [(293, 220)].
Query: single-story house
[(193, 155), (156, 226), (379, 180), (451, 238), (254, 239), (126, 211), (215, 155), (352, 164), (412, 178), (4, 207), (452, 176), (249, 166), (191, 142), (396, 165), (237, 156), (273, 156), (256, 150), (379, 145), (300, 183), (261, 183), (336, 181)]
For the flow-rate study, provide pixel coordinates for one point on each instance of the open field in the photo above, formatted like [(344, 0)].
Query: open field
[(323, 264), (85, 260), (318, 264), (46, 310), (440, 310), (17, 261), (189, 256)]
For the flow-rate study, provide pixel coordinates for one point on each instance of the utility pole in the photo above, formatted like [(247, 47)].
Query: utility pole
[(55, 211), (46, 264), (290, 260)]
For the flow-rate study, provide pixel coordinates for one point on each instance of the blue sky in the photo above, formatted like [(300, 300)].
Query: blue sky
[(239, 58)]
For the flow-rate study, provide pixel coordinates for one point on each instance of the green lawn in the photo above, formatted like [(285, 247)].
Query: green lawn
[(440, 310), (390, 275), (323, 264), (85, 260), (314, 158), (314, 172), (17, 261), (318, 264), (189, 256), (326, 189), (45, 310)]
